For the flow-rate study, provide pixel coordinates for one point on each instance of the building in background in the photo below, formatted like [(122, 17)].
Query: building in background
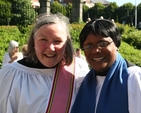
[(104, 2), (89, 3), (35, 3)]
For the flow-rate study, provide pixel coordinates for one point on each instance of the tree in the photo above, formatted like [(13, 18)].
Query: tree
[(110, 11), (85, 13), (69, 10), (139, 13), (22, 13), (125, 13), (57, 7), (5, 13), (97, 10)]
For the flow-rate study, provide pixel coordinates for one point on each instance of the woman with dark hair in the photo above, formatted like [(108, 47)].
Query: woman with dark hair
[(48, 78), (113, 85)]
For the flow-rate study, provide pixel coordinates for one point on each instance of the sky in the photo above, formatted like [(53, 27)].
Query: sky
[(121, 2)]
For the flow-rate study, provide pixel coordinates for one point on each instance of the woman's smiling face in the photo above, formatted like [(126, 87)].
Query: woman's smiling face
[(100, 58), (49, 44)]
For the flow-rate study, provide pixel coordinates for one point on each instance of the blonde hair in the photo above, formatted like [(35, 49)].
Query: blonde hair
[(24, 49), (12, 45)]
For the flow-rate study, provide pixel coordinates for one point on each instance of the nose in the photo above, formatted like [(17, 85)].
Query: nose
[(96, 50), (51, 46)]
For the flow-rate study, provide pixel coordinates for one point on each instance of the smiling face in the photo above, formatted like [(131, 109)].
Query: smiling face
[(100, 59), (50, 40)]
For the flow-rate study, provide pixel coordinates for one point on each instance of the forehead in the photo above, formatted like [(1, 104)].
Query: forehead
[(52, 29), (92, 37)]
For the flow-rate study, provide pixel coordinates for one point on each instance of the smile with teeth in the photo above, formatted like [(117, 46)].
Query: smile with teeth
[(47, 55), (98, 59)]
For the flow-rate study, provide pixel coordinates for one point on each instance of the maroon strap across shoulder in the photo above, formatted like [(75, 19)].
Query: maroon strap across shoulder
[(62, 90)]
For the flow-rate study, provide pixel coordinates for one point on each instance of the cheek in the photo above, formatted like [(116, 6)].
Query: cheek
[(60, 50), (87, 54), (39, 46)]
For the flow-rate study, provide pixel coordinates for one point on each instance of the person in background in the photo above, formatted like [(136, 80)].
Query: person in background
[(48, 78), (88, 20), (82, 60), (79, 54), (24, 50), (113, 85), (13, 53)]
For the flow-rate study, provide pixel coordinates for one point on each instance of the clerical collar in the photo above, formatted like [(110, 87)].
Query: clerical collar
[(39, 65), (104, 73)]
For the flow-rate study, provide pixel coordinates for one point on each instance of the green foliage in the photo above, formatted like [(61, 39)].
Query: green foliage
[(131, 54), (57, 7), (68, 10), (133, 38), (7, 33), (130, 35), (85, 13), (125, 29), (139, 12), (125, 13), (97, 10), (75, 31), (110, 10), (22, 13), (5, 13)]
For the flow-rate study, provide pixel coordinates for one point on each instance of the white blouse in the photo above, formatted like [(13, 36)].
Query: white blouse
[(27, 90)]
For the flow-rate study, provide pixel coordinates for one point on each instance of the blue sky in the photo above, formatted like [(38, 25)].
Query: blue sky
[(121, 2)]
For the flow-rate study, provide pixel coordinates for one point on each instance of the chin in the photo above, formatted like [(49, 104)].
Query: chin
[(51, 65)]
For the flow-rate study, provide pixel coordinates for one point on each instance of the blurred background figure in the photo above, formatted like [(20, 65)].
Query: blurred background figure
[(82, 60), (88, 20), (24, 50), (112, 20), (101, 17), (13, 53), (79, 54)]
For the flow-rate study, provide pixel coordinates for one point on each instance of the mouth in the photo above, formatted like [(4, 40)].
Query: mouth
[(49, 55), (98, 59)]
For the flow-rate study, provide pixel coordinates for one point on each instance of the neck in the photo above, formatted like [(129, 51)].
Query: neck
[(103, 73)]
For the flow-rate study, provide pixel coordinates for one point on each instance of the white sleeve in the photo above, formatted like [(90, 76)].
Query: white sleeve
[(81, 70), (134, 89)]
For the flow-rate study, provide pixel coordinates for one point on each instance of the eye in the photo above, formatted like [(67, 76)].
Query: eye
[(43, 39), (103, 44), (88, 47), (57, 41)]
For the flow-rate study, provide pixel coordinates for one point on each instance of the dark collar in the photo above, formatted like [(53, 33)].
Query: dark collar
[(27, 63)]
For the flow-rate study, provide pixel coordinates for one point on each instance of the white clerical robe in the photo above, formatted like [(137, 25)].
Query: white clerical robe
[(27, 90)]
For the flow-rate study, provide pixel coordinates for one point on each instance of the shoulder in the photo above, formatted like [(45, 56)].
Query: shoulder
[(134, 89), (134, 78), (6, 54), (134, 70)]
